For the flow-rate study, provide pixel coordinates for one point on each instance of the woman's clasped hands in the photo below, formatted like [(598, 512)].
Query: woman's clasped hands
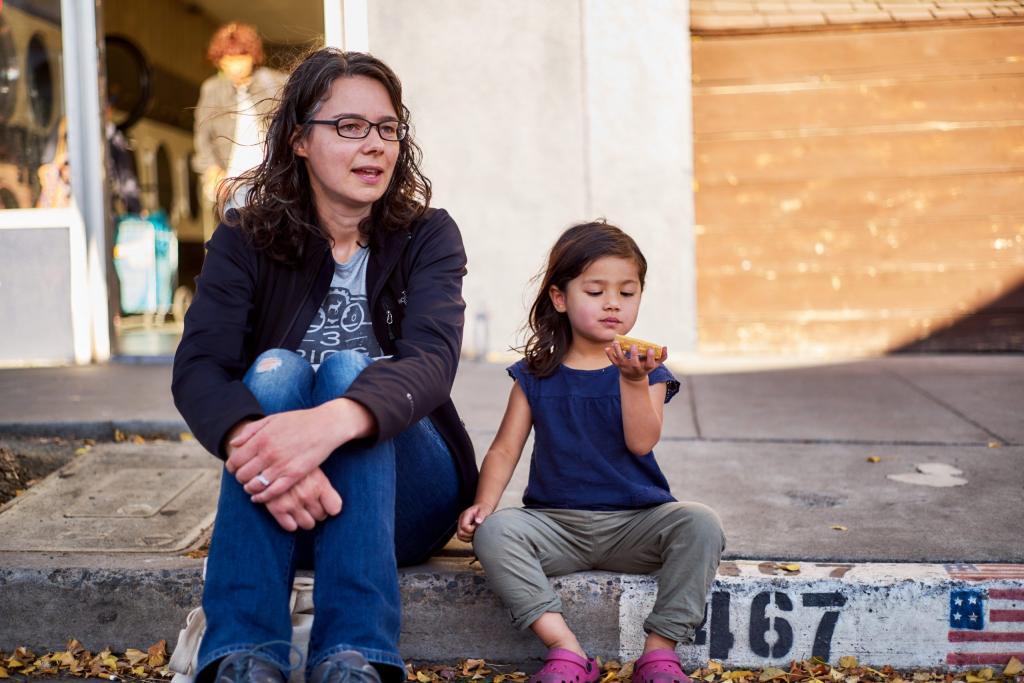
[(277, 460)]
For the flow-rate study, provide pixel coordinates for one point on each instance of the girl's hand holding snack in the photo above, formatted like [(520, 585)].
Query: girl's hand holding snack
[(635, 358), (471, 518)]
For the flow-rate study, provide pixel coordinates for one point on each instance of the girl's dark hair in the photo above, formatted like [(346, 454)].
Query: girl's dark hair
[(577, 248), (280, 210)]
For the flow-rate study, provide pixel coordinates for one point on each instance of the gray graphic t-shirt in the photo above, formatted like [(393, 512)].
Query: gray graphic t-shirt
[(343, 321)]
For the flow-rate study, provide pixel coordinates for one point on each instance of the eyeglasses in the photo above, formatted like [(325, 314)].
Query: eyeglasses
[(357, 128)]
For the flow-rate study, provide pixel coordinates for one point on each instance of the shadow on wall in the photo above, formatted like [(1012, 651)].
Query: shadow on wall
[(996, 327)]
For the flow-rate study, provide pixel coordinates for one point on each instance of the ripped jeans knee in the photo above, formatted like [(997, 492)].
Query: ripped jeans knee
[(281, 380)]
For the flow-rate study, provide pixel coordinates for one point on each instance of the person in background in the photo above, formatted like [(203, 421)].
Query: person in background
[(233, 104), (55, 173)]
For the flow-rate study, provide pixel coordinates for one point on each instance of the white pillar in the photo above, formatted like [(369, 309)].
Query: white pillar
[(637, 85), (357, 27), (86, 153), (346, 25), (334, 35)]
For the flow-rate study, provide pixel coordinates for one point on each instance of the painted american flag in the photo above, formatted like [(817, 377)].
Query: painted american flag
[(985, 572), (986, 625)]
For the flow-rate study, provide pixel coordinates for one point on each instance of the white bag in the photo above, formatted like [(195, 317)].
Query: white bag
[(185, 657)]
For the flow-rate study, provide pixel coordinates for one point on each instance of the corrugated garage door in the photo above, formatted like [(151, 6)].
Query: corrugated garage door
[(860, 191)]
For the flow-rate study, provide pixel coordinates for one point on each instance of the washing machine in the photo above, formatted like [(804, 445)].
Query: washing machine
[(31, 102)]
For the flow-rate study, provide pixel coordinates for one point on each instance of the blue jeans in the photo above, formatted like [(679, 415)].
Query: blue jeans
[(400, 504)]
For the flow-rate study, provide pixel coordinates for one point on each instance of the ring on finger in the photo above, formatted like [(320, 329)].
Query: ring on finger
[(263, 480)]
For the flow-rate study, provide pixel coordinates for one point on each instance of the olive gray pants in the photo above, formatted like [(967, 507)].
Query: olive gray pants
[(680, 543)]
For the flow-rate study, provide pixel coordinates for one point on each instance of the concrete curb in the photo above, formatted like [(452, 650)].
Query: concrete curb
[(101, 600), (759, 613), (101, 430)]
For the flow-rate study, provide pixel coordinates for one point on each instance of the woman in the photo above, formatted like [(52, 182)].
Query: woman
[(317, 360)]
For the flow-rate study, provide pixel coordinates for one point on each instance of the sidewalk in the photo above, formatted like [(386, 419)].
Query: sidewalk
[(823, 539)]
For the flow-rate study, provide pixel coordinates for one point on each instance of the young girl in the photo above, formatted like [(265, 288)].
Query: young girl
[(596, 498)]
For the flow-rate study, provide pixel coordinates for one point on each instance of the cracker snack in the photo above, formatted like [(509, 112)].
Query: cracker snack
[(642, 346)]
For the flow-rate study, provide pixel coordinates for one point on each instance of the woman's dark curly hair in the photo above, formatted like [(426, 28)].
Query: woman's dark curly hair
[(577, 248), (280, 209)]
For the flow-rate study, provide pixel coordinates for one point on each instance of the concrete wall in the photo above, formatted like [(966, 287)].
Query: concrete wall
[(534, 115)]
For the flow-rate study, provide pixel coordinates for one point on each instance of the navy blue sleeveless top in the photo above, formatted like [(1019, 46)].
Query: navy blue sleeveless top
[(580, 460)]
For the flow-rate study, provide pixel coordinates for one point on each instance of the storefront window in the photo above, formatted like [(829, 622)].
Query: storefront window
[(34, 169), (8, 71)]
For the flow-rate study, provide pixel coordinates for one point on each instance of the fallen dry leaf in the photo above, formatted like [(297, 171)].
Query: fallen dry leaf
[(470, 664), (157, 653), (874, 458), (1013, 667), (839, 527), (135, 664)]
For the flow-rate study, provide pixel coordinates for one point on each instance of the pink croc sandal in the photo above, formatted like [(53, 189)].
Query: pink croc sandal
[(659, 666), (565, 666)]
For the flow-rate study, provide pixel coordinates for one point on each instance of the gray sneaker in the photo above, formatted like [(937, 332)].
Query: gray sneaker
[(246, 667), (345, 667)]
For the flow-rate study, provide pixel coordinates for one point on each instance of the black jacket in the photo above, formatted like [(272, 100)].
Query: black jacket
[(246, 303)]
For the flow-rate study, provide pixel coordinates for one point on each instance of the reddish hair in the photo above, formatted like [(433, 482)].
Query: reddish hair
[(235, 39)]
